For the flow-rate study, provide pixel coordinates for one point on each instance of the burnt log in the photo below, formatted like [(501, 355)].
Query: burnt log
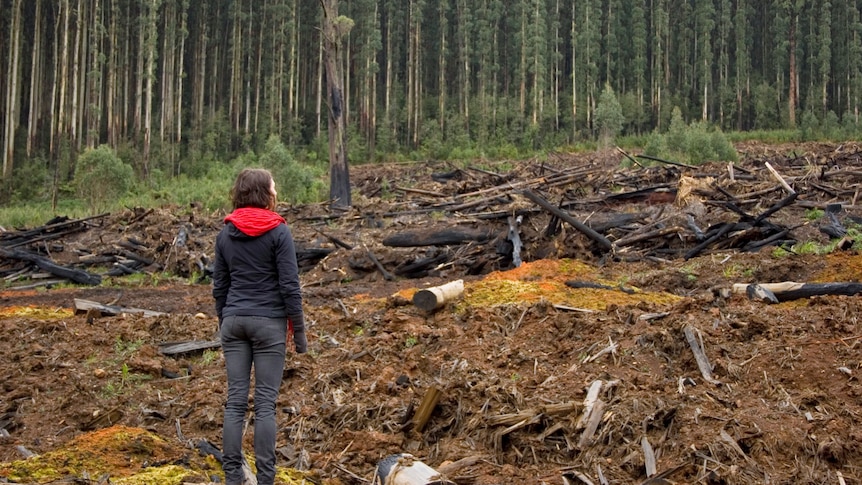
[(590, 233), (421, 267), (57, 227), (443, 237), (75, 275), (790, 290)]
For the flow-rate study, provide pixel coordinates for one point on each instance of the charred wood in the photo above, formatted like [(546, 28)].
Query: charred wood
[(442, 237), (75, 275)]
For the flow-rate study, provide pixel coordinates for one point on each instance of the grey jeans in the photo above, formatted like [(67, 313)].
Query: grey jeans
[(245, 341)]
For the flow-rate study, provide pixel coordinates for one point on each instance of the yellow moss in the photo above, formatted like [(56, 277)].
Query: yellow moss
[(162, 475), (506, 292), (841, 267), (292, 476), (120, 451), (36, 312)]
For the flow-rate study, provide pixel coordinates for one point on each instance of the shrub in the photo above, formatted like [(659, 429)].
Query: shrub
[(101, 177), (296, 182)]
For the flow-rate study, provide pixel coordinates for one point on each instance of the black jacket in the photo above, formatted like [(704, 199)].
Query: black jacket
[(257, 276)]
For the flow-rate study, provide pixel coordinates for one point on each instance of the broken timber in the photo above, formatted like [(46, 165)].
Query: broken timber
[(186, 347), (443, 237), (75, 275), (596, 237), (790, 290), (85, 306), (433, 298)]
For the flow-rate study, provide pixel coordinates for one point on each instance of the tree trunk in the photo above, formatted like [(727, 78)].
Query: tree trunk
[(93, 111), (334, 28), (36, 67), (12, 101), (791, 98)]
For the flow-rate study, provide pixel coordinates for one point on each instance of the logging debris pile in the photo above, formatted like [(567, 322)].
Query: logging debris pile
[(615, 352)]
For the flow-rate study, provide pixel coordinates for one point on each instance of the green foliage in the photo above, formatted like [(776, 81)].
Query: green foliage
[(767, 114), (609, 116), (296, 182), (696, 143), (101, 178), (813, 214), (32, 181)]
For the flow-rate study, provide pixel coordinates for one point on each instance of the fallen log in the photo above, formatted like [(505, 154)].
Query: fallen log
[(84, 306), (790, 290), (432, 298), (12, 239), (405, 469), (75, 275), (593, 235), (175, 348), (443, 237)]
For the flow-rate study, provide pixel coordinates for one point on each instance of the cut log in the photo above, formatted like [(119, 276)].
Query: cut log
[(83, 306), (405, 469), (790, 290), (433, 298), (75, 275), (443, 237)]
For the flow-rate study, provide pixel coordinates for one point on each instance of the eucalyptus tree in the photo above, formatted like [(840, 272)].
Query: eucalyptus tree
[(684, 66), (489, 41), (37, 80), (638, 54), (465, 29), (13, 80), (586, 51), (659, 56), (537, 58), (704, 19), (724, 26), (823, 49), (367, 32), (742, 59), (150, 53), (334, 28)]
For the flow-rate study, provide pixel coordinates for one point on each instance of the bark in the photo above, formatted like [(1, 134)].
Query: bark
[(791, 97), (12, 102), (334, 27), (35, 81)]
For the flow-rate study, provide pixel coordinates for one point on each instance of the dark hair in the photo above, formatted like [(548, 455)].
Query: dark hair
[(251, 189)]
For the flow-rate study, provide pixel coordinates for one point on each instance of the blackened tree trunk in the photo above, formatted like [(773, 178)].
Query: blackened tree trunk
[(334, 28)]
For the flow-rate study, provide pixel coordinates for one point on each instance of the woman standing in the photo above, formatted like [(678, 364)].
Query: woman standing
[(258, 302)]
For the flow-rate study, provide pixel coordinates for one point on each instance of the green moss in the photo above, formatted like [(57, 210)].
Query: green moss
[(162, 475)]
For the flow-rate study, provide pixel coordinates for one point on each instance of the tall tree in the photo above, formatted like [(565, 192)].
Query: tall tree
[(824, 51), (13, 78), (742, 56), (335, 27), (36, 80), (704, 18), (151, 55)]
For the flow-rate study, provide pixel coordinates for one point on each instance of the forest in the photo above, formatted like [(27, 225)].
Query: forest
[(174, 85)]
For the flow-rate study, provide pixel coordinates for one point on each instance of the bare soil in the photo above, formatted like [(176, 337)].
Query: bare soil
[(513, 360)]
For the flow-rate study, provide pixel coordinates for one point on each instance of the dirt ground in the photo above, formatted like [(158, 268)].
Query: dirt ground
[(513, 359)]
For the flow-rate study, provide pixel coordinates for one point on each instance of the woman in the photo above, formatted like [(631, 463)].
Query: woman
[(258, 302)]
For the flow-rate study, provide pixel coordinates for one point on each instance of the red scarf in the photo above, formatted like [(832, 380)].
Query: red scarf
[(254, 221)]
